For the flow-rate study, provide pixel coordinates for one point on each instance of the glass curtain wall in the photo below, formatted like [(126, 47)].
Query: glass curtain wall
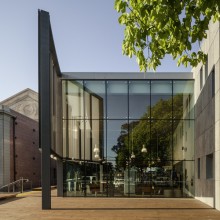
[(128, 138)]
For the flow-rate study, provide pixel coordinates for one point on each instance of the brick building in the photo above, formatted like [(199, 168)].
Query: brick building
[(19, 139)]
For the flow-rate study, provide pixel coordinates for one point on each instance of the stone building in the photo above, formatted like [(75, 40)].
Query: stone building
[(20, 156), (207, 121)]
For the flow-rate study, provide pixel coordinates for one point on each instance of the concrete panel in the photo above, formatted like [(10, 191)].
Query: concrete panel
[(126, 75), (217, 168), (217, 136), (217, 193), (217, 106)]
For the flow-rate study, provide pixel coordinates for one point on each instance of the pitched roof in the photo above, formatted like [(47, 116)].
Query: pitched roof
[(24, 102)]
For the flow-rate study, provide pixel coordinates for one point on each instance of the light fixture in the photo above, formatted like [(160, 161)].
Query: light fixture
[(132, 155), (144, 149), (53, 157), (96, 149), (97, 156), (184, 148)]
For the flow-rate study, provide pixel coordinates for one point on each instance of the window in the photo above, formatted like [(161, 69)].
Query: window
[(117, 99), (110, 122), (201, 78), (139, 92), (198, 168), (213, 81), (209, 166), (206, 68)]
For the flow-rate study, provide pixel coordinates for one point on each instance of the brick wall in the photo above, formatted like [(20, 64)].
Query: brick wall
[(27, 155)]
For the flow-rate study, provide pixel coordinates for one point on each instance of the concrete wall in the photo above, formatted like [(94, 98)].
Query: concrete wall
[(207, 115)]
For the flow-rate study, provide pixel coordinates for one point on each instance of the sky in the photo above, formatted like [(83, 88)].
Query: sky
[(87, 36)]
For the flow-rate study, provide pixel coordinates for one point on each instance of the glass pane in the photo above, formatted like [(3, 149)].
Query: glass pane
[(184, 87), (161, 180), (83, 139), (97, 103), (119, 183), (161, 99), (73, 174), (108, 178), (139, 95), (117, 100), (183, 177), (161, 87), (92, 179), (74, 139), (117, 137), (98, 139), (95, 87), (139, 143), (183, 101), (161, 140), (65, 136), (139, 156), (73, 100), (87, 104), (87, 151), (183, 140)]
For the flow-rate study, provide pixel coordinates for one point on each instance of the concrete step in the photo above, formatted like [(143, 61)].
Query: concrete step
[(7, 195), (40, 188)]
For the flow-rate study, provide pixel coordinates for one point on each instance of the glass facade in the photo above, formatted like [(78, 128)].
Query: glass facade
[(128, 138)]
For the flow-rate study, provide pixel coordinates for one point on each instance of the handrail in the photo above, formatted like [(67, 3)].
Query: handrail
[(21, 182)]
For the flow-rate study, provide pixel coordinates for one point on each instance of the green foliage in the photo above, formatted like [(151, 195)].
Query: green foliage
[(154, 28), (156, 135)]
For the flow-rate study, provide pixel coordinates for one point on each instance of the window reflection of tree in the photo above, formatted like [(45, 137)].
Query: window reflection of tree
[(156, 134)]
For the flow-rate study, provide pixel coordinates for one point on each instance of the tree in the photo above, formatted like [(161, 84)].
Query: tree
[(155, 134), (154, 28)]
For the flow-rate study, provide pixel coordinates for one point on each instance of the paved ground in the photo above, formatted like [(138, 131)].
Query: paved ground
[(28, 206)]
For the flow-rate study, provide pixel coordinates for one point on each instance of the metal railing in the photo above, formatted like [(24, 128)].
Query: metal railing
[(16, 186)]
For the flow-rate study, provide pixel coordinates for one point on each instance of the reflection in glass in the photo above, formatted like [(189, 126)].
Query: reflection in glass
[(97, 102), (73, 107), (117, 100), (117, 131), (161, 140), (183, 107), (81, 139), (161, 99), (183, 140), (139, 92), (185, 177), (98, 139), (105, 157)]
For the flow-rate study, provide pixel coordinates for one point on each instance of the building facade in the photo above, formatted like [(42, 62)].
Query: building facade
[(207, 115), (130, 134), (19, 147), (125, 136), (6, 147), (20, 156)]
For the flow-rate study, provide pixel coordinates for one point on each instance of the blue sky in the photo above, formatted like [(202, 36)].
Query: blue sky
[(87, 38)]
